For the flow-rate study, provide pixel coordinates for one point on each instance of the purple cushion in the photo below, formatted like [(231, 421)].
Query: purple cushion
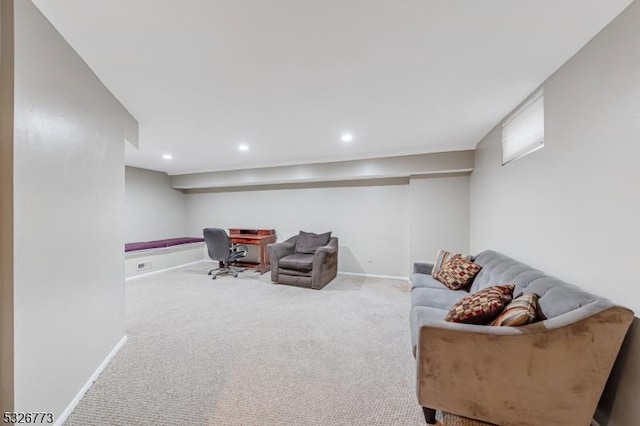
[(170, 242), (143, 246)]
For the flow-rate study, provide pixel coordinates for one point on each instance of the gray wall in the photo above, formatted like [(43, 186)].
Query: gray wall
[(153, 210), (68, 203), (6, 206), (572, 208), (379, 220), (438, 216)]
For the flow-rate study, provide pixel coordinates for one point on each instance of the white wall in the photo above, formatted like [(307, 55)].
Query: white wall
[(334, 171), (68, 228), (368, 220), (153, 210), (371, 220), (572, 208), (438, 216)]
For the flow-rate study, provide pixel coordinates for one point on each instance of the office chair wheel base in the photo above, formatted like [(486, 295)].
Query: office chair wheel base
[(213, 277)]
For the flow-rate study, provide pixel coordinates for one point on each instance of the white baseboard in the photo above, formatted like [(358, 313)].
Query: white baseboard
[(359, 274), (355, 274), (74, 402), (159, 271)]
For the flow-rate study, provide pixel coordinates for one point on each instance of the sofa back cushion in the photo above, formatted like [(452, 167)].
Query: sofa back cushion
[(498, 268), (556, 296)]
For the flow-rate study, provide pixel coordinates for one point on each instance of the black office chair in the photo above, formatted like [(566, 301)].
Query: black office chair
[(221, 249)]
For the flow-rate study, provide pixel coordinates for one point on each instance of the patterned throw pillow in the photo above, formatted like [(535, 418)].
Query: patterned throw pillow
[(481, 307), (457, 273), (442, 258), (523, 310)]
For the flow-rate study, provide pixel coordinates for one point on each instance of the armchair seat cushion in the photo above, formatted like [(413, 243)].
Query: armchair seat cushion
[(297, 261), (294, 273)]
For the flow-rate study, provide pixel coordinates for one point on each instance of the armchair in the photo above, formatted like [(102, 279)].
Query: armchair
[(306, 260)]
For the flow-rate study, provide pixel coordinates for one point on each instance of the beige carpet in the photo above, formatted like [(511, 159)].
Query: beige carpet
[(446, 419), (247, 352)]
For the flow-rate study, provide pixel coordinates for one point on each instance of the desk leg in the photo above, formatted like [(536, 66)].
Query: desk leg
[(264, 258)]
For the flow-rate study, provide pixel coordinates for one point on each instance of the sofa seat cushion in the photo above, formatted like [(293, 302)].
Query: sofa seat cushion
[(436, 298), (427, 281), (297, 261), (421, 315)]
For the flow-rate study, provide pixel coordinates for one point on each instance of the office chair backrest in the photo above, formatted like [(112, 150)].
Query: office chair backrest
[(218, 244)]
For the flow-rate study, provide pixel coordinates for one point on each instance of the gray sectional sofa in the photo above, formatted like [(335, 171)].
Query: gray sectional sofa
[(551, 372)]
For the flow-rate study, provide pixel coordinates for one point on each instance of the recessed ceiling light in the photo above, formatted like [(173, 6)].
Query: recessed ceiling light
[(346, 137), (167, 157), (243, 147)]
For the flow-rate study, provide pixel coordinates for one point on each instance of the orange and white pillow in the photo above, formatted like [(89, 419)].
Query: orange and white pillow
[(521, 311)]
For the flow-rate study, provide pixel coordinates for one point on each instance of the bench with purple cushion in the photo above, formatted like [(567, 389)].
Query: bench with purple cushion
[(170, 242)]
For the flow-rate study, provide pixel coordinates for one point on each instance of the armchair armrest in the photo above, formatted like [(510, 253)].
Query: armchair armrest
[(280, 250), (323, 255), (557, 368), (325, 264), (421, 267), (277, 251)]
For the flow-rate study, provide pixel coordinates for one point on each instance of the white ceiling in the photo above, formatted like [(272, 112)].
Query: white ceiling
[(287, 77)]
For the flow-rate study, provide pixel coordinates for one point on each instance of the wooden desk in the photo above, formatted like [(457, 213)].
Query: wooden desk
[(257, 237)]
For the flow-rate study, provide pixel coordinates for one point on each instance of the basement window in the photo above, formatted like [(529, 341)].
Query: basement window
[(523, 131)]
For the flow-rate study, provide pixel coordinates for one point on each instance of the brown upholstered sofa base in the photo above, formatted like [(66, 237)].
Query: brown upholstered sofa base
[(550, 372), (539, 377)]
